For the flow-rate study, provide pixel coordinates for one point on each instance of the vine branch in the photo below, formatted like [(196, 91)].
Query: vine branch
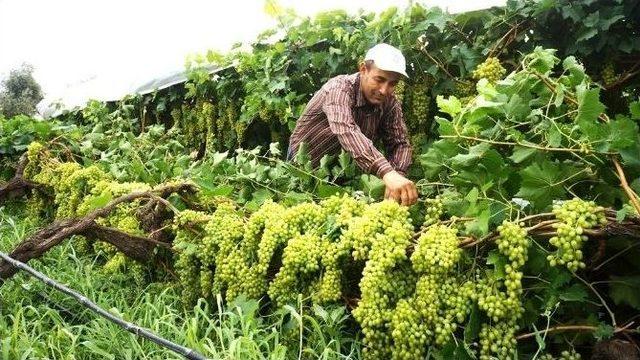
[(584, 328)]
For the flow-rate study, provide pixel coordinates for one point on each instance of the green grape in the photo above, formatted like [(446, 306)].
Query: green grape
[(206, 281), (301, 263), (420, 101), (574, 216), (441, 302), (387, 275), (71, 183), (224, 232), (437, 250), (570, 355), (501, 305), (498, 341), (512, 242), (464, 89), (37, 159), (608, 74), (187, 245), (501, 299), (490, 69), (264, 114), (434, 211), (240, 128), (115, 264), (176, 116)]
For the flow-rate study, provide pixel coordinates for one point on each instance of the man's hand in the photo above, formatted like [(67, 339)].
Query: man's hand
[(399, 188)]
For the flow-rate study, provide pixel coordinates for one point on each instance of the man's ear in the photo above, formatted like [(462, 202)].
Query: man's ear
[(362, 68)]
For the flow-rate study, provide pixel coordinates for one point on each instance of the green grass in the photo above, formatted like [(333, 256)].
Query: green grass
[(37, 322)]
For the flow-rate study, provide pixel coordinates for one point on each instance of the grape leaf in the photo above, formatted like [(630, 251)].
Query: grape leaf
[(623, 132), (445, 127), (451, 105), (475, 153), (634, 109), (438, 154), (521, 153), (542, 182), (624, 290), (472, 329), (589, 105), (575, 292), (603, 332)]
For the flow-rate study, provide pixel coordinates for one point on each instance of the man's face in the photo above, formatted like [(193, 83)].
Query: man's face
[(376, 85)]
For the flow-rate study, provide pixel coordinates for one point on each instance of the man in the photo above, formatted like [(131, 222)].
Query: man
[(352, 111)]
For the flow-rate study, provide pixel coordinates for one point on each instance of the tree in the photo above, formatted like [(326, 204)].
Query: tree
[(20, 93)]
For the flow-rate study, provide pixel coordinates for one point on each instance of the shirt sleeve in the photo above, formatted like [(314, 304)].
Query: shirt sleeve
[(396, 139), (337, 106)]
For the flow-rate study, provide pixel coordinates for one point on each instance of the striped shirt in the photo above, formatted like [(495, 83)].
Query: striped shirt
[(339, 117)]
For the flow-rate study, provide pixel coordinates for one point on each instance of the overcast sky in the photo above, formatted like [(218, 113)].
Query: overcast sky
[(123, 43)]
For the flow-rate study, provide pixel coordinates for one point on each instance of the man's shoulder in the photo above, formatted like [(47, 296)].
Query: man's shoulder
[(341, 82)]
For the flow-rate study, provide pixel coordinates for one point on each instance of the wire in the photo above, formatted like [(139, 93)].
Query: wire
[(130, 327)]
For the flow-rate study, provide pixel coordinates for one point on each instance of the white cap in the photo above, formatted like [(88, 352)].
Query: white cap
[(388, 58)]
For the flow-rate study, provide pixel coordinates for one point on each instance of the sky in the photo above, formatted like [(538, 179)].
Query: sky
[(118, 44)]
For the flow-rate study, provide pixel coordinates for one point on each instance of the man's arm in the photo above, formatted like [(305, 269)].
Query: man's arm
[(396, 139), (337, 106)]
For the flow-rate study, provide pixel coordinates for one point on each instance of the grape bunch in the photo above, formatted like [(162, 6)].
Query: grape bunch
[(187, 246), (464, 91), (301, 262), (490, 69), (497, 341), (498, 304), (512, 242), (386, 277), (433, 212), (437, 251), (441, 300), (574, 216), (608, 74), (570, 355), (564, 355), (419, 104)]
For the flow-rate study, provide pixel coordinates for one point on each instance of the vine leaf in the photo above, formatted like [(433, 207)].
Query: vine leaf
[(499, 262), (634, 109), (445, 127), (472, 329), (603, 332), (631, 155), (438, 154), (451, 105), (624, 290), (542, 182), (575, 292), (589, 105), (100, 201), (476, 152), (623, 133), (521, 153)]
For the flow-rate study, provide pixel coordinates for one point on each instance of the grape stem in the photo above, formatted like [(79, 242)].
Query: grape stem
[(560, 328), (604, 303), (527, 145)]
